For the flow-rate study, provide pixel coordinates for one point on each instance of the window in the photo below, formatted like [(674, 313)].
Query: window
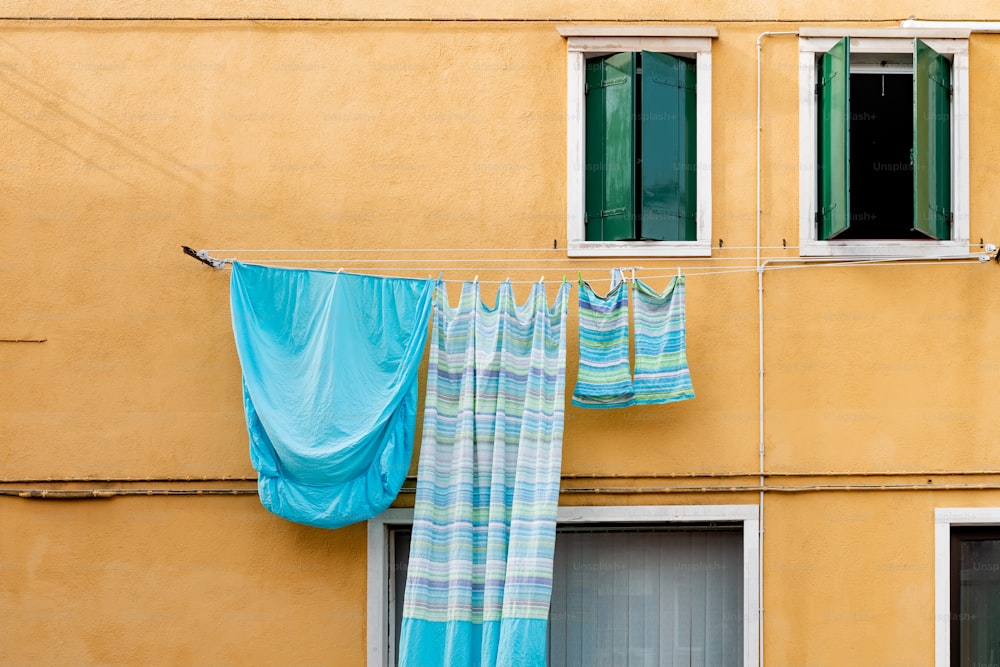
[(967, 582), (639, 141), (883, 143), (975, 595), (631, 586), (640, 179), (630, 594)]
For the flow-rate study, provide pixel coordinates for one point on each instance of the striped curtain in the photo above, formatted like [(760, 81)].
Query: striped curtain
[(479, 580)]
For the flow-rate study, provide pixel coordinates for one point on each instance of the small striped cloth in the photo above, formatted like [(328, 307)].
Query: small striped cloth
[(661, 369), (604, 379)]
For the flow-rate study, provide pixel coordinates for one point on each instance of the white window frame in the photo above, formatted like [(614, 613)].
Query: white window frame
[(944, 520), (591, 41), (379, 590), (889, 40)]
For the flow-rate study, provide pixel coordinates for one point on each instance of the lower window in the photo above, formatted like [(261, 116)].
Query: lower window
[(967, 586), (645, 589), (658, 595), (975, 596)]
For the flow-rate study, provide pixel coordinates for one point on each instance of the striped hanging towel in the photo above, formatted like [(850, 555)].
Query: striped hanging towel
[(661, 369), (479, 579), (604, 379)]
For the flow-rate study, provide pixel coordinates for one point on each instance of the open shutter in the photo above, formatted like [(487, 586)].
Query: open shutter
[(931, 142), (610, 174), (833, 90), (668, 157)]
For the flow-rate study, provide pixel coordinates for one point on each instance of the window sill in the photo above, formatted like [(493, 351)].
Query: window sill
[(639, 249), (887, 248)]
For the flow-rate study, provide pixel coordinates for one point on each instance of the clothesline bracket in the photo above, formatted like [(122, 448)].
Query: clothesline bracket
[(203, 257)]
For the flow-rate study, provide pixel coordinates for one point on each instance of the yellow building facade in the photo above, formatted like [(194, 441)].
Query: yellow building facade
[(844, 422)]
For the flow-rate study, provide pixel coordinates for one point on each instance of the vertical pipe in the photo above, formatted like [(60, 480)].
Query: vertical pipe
[(760, 373)]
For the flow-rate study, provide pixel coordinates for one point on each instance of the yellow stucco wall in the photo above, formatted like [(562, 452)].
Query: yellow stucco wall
[(177, 581), (124, 140)]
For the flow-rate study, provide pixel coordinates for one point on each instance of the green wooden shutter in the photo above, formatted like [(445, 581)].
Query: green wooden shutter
[(833, 165), (931, 142), (668, 156), (610, 174)]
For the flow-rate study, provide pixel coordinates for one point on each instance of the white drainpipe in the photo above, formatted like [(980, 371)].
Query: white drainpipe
[(760, 374)]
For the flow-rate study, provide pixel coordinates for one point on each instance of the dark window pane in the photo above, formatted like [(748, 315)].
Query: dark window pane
[(976, 604)]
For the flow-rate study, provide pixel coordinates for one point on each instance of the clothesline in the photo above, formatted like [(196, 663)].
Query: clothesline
[(481, 250), (568, 268), (695, 271), (446, 250)]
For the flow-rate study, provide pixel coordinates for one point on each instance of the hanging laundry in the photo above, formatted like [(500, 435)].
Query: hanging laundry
[(604, 379), (330, 365), (661, 369), (617, 277), (479, 579)]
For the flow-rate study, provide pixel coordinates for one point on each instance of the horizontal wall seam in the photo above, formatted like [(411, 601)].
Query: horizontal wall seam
[(442, 19), (567, 476), (827, 473), (121, 480), (88, 494), (599, 490)]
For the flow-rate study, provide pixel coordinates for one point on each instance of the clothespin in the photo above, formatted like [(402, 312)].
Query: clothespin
[(475, 280), (340, 270)]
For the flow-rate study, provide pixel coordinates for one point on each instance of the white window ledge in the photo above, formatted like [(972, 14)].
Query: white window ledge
[(853, 248), (636, 31), (892, 33), (639, 249)]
